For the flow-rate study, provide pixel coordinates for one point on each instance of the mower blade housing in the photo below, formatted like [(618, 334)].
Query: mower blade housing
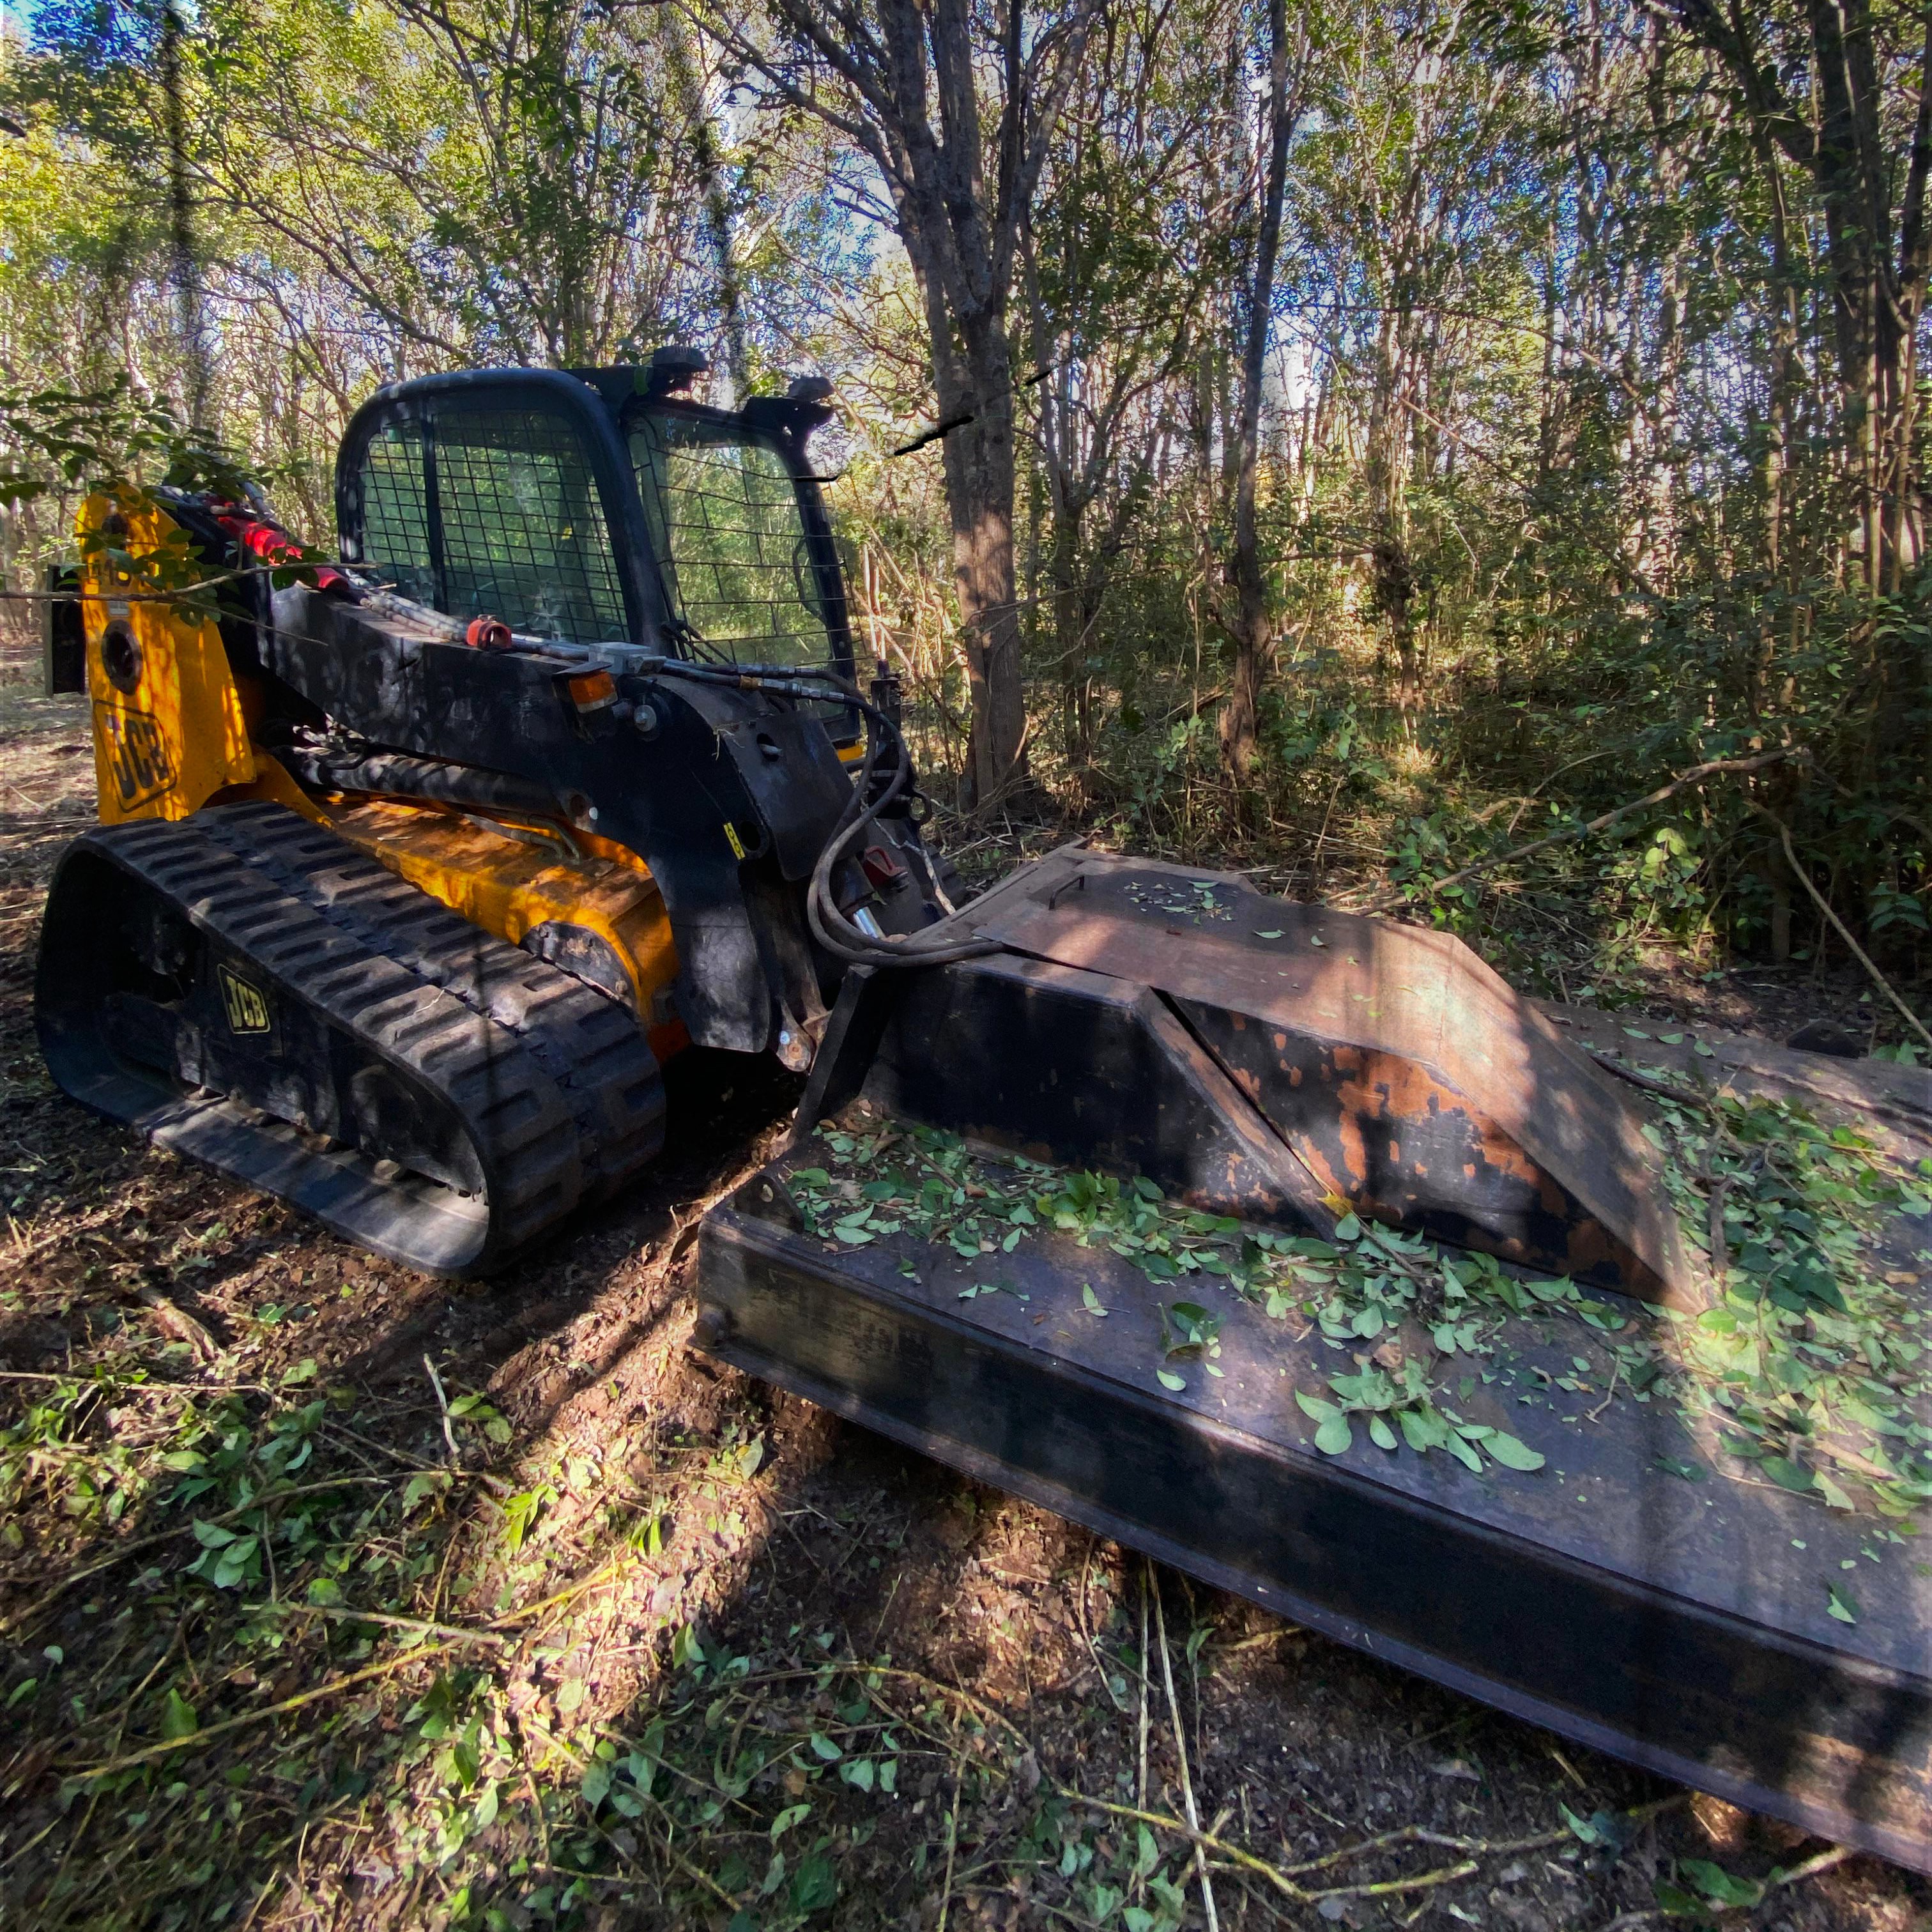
[(1272, 1059)]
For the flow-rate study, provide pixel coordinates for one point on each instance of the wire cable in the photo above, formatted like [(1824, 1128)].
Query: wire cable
[(871, 795)]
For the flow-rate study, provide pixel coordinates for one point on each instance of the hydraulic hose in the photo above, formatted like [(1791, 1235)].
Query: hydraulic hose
[(883, 740)]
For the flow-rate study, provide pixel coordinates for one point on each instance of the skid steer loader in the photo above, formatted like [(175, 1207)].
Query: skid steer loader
[(411, 874)]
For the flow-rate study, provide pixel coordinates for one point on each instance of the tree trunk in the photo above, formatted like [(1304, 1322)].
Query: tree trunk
[(1250, 625), (979, 503)]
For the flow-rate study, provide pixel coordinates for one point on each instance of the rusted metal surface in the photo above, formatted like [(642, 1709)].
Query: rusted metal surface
[(1404, 1076)]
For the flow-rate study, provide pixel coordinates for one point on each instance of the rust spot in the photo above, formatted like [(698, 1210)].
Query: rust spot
[(1281, 1043), (1589, 1247), (1395, 1150), (1295, 1076)]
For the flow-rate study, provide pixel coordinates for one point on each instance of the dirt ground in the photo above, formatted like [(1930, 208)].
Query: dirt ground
[(583, 1530)]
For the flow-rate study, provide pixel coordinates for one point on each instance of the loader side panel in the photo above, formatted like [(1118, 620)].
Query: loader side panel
[(169, 732)]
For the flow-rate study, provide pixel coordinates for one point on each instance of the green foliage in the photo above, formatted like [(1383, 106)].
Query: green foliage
[(1809, 1372)]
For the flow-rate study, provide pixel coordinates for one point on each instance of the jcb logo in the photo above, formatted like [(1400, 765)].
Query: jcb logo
[(137, 754), (247, 1006)]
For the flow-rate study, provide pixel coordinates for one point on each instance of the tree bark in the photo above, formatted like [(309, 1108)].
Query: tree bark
[(1250, 624)]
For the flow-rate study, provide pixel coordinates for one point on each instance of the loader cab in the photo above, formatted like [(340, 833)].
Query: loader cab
[(602, 506)]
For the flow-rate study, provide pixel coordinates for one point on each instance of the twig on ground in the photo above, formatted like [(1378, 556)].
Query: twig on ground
[(1648, 1081), (453, 1633), (952, 1838), (1825, 1861), (1824, 905), (1282, 1877), (1616, 1370), (1187, 1779), (195, 1739), (443, 1403), (1140, 1788), (1086, 1635)]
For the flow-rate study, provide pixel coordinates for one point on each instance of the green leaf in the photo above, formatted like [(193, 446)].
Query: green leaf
[(1381, 1434), (1509, 1452), (178, 1717), (1841, 1603), (1334, 1436), (814, 1885), (1718, 1885), (1146, 1189), (1675, 1903), (1089, 1300), (1168, 1381), (426, 1483), (822, 1747), (1788, 1475), (1600, 1828), (1348, 1228), (1275, 934), (1315, 1407)]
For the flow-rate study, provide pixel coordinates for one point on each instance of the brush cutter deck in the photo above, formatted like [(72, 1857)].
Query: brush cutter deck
[(1179, 1027)]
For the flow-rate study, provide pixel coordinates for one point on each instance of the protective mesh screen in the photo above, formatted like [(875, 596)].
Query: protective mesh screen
[(395, 524), (731, 541), (522, 536), (517, 531)]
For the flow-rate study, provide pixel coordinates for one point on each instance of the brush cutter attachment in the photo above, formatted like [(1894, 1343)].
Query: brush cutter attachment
[(1139, 1218)]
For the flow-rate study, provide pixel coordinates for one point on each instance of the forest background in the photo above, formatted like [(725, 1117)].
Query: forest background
[(1349, 440)]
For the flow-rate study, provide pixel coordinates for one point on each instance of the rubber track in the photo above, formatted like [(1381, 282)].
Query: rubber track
[(555, 1084)]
